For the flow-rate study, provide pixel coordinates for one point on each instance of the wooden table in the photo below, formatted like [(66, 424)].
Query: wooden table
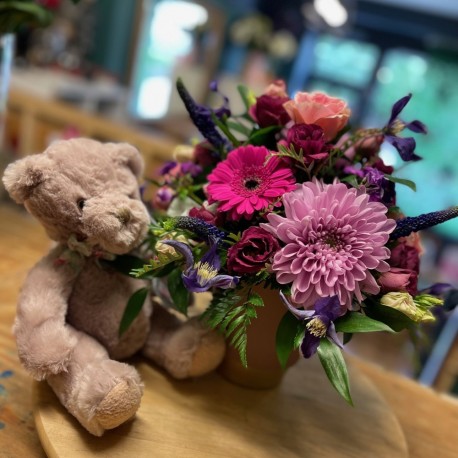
[(429, 420)]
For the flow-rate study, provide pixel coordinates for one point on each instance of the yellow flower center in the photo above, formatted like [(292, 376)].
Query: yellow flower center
[(205, 272), (316, 327)]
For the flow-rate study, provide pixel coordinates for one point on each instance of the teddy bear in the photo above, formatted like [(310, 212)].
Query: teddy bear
[(86, 196)]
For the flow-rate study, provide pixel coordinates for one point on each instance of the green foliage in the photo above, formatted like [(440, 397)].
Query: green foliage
[(404, 181), (285, 341), (336, 370), (178, 292), (357, 322), (16, 14), (133, 308), (247, 96), (158, 262), (232, 319), (263, 137), (396, 320), (125, 263)]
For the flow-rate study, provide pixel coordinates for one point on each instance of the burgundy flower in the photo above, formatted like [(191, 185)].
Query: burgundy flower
[(204, 155), (405, 256), (251, 253), (309, 138), (397, 279), (206, 215), (269, 111)]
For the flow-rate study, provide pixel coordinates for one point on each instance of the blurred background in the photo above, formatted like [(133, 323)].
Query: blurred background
[(107, 68)]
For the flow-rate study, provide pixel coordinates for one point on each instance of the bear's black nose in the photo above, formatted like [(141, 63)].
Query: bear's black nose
[(123, 215)]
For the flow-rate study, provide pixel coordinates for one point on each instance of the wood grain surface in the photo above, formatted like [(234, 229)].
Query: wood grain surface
[(210, 417), (429, 420)]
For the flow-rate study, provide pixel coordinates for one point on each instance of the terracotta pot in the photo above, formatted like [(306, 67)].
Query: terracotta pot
[(264, 370)]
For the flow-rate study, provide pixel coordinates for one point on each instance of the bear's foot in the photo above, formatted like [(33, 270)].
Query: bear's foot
[(189, 349), (118, 406)]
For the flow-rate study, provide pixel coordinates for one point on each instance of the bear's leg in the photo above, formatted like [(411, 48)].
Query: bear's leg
[(184, 349), (99, 392)]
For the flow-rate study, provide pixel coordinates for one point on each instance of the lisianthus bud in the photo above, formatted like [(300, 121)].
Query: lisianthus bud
[(404, 303)]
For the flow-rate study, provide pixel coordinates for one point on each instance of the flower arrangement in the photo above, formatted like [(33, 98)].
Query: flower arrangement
[(287, 197)]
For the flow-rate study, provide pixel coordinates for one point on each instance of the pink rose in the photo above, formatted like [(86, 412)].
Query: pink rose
[(330, 113), (251, 253), (399, 280)]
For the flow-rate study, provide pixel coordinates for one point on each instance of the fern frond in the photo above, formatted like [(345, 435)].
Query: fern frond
[(231, 319)]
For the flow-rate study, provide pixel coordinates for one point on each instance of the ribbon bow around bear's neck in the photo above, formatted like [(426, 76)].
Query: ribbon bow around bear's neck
[(76, 251)]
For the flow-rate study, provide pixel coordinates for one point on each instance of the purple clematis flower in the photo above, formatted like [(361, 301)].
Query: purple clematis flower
[(319, 322), (378, 187), (405, 146), (202, 275)]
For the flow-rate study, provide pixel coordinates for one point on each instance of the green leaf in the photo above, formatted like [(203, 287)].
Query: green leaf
[(232, 319), (178, 292), (246, 96), (223, 127), (357, 322), (238, 127), (255, 299), (133, 308), (336, 370), (409, 183), (262, 136), (125, 263), (396, 320), (285, 337)]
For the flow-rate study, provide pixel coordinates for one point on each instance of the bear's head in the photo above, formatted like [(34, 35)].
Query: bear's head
[(85, 189)]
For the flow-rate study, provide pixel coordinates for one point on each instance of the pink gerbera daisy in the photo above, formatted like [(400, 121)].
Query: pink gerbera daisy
[(334, 240), (245, 183)]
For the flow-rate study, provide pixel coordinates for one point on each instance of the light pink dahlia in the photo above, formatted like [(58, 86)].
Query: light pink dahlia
[(244, 183), (335, 238)]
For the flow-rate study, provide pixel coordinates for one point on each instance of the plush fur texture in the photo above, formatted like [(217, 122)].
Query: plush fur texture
[(86, 196)]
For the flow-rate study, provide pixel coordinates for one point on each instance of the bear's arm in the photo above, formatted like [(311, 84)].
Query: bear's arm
[(43, 339)]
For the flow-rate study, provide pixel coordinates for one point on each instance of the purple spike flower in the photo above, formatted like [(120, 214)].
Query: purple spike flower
[(406, 226), (405, 146), (202, 275), (319, 322), (202, 117), (202, 229)]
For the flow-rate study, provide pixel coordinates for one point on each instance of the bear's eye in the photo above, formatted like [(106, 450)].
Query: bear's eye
[(81, 203)]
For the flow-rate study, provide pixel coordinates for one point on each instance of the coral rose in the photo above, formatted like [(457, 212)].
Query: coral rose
[(330, 113)]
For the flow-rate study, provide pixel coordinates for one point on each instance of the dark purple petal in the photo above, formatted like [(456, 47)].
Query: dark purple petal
[(300, 314), (183, 249), (438, 289), (417, 126), (398, 107), (405, 147), (169, 165), (223, 282), (191, 283), (309, 345), (211, 257), (332, 334), (328, 307)]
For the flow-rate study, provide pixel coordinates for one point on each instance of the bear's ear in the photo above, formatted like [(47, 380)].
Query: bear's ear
[(23, 176), (127, 155)]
